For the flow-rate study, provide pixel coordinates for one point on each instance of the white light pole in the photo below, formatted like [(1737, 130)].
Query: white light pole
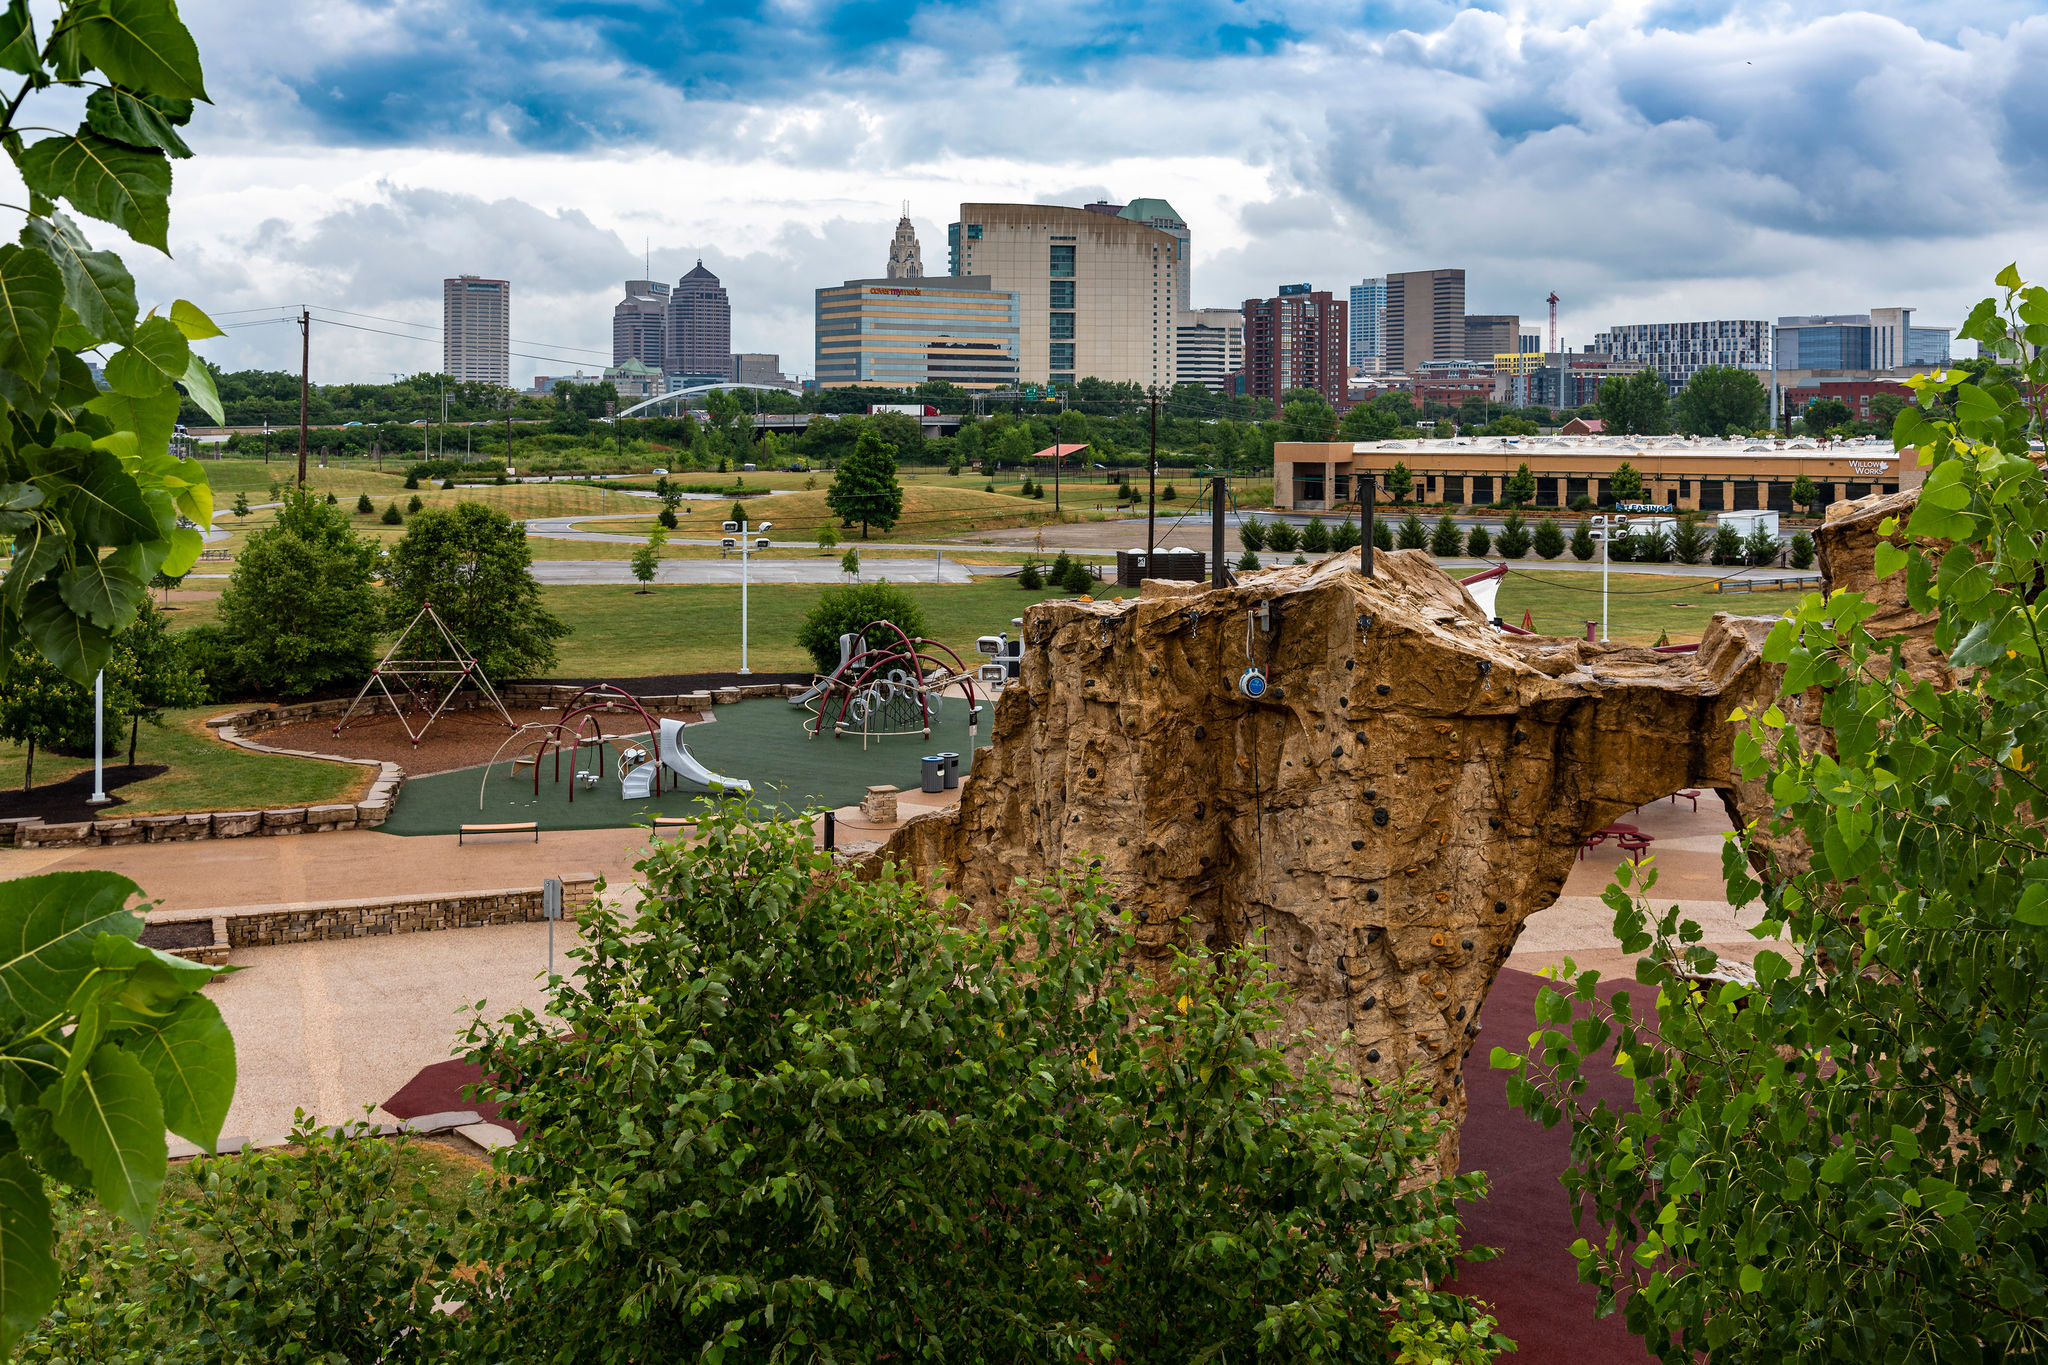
[(99, 795), (1605, 529), (746, 543)]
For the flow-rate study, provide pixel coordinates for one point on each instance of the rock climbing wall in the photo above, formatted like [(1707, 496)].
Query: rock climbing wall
[(1413, 786)]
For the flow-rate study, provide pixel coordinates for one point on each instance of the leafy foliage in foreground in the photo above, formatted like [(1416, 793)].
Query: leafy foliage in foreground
[(784, 1114), (91, 497), (1848, 1160)]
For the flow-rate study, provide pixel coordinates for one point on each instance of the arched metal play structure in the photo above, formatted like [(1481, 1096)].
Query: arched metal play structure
[(897, 687), (640, 772)]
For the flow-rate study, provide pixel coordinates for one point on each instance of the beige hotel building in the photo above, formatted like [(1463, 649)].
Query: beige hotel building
[(1098, 295)]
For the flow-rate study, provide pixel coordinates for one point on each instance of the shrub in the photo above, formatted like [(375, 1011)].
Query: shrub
[(1548, 538), (1727, 545), (1060, 564), (1168, 494), (1248, 561), (392, 516), (1583, 544), (299, 606), (501, 481), (989, 487), (413, 505), (667, 519), (806, 1012), (364, 505), (412, 481), (1251, 532), (1802, 551), (1315, 537), (1688, 540), (1078, 579), (738, 513), (851, 607), (1029, 578), (210, 656), (1653, 547), (474, 564), (1762, 546), (1414, 535), (1282, 537), (1445, 540), (1622, 549), (1343, 534), (1382, 535), (1038, 491), (1582, 503), (1514, 536), (333, 501), (448, 483), (1478, 542)]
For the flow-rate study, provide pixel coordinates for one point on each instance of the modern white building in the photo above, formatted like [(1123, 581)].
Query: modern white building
[(1368, 319), (1208, 346), (476, 330), (1680, 350)]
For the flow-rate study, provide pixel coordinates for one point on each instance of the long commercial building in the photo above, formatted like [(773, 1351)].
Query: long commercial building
[(1679, 473), (1098, 293), (476, 329), (1208, 347), (1680, 350), (1296, 340), (897, 332)]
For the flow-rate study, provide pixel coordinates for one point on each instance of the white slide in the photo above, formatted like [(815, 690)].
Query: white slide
[(676, 756)]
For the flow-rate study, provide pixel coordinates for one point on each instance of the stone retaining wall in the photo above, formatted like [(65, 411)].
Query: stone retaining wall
[(262, 926)]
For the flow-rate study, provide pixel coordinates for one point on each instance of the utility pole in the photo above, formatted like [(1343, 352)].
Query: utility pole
[(305, 368), (1152, 482)]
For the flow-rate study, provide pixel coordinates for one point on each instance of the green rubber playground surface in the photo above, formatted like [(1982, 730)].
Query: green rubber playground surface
[(762, 742)]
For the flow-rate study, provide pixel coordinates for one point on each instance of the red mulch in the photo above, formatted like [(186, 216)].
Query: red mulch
[(459, 739)]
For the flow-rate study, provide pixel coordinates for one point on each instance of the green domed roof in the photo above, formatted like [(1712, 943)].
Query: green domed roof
[(1145, 210)]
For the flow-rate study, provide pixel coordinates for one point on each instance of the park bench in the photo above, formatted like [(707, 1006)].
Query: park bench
[(514, 827), (672, 823)]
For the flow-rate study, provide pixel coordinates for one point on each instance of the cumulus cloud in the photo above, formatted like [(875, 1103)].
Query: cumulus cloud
[(1661, 160)]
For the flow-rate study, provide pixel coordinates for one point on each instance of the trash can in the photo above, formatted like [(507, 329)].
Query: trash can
[(934, 772), (952, 769)]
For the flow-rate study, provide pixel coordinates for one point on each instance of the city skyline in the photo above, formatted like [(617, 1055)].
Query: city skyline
[(1727, 162)]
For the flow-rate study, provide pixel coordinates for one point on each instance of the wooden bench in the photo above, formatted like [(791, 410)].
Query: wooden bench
[(672, 823), (515, 827)]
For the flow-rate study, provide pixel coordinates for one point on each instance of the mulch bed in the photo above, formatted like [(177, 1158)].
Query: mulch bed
[(191, 933), (459, 739), (64, 802)]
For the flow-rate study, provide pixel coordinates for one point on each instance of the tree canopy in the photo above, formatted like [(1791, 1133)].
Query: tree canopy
[(475, 565), (300, 613), (1635, 405), (864, 487), (1722, 400)]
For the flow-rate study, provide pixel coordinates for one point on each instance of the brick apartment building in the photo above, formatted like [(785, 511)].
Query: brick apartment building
[(1298, 339)]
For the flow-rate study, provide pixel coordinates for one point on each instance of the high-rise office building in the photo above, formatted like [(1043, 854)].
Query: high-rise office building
[(1296, 340), (1368, 324), (1208, 347), (699, 326), (757, 367), (476, 329), (1157, 213), (906, 258), (1882, 339), (899, 333), (1099, 295), (1680, 350), (1490, 334), (1425, 318), (640, 324)]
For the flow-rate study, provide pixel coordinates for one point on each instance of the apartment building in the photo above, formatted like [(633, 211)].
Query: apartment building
[(1680, 350), (699, 326), (1208, 346), (1297, 339), (476, 330)]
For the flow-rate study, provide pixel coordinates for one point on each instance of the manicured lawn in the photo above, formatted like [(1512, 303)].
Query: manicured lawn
[(927, 511), (205, 774), (1640, 606)]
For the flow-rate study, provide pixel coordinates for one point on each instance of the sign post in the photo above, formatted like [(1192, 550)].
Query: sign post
[(551, 910)]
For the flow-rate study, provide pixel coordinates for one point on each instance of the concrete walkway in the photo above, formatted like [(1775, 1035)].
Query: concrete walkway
[(728, 571)]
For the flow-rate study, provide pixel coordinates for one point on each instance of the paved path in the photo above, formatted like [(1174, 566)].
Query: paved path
[(727, 571)]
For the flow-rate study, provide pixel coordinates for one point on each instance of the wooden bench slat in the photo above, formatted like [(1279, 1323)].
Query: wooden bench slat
[(515, 827)]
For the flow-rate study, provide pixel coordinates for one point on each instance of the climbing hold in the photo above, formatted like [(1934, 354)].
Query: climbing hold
[(1461, 1011), (1155, 670), (1521, 735), (1343, 701), (1467, 945), (1348, 664), (1493, 822), (1485, 667), (1379, 817), (1372, 1055), (1361, 736), (1436, 940), (1205, 862), (1368, 1002), (1383, 689), (1089, 683), (1500, 907), (1357, 843), (1145, 917), (1371, 795), (1201, 809), (1371, 894), (1337, 752), (1091, 772), (1201, 732), (1373, 935), (1095, 866)]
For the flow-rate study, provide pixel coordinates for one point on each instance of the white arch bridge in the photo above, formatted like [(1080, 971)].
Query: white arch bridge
[(682, 396)]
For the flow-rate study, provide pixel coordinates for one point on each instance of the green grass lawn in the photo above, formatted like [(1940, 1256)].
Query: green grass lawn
[(1640, 606), (205, 774)]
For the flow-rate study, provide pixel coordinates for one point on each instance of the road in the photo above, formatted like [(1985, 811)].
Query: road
[(680, 571)]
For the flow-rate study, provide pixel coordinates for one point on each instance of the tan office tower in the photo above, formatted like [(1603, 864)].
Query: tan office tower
[(476, 329), (1098, 294), (1425, 318), (1490, 334)]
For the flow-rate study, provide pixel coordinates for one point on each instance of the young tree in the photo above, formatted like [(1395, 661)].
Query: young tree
[(1445, 540), (1802, 551), (828, 539), (1413, 534), (1583, 544), (364, 507), (1885, 1064), (1032, 1062), (1514, 538), (647, 557), (1315, 537), (1248, 561), (1761, 546), (475, 565), (1383, 534), (1251, 533), (1727, 545), (1626, 483), (414, 504), (300, 612), (153, 673), (392, 516), (1478, 542), (738, 513), (849, 563), (1281, 537), (850, 608), (1804, 492), (1343, 534), (1521, 485), (242, 503), (1688, 540), (1400, 483), (1721, 400), (1548, 539), (864, 487)]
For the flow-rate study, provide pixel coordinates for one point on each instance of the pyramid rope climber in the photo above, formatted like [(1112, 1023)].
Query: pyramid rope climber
[(422, 680)]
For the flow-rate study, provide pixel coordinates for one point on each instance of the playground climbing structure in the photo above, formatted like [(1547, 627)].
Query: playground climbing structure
[(582, 725), (897, 687), (429, 685)]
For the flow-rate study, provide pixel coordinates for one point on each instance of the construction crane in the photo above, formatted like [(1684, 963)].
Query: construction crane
[(1553, 321)]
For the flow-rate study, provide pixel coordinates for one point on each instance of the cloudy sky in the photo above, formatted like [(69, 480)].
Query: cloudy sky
[(1649, 162)]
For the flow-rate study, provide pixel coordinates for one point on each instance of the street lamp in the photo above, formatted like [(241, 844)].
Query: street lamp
[(746, 543), (1605, 529)]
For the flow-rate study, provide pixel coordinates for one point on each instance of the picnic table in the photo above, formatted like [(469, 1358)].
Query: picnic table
[(1632, 840)]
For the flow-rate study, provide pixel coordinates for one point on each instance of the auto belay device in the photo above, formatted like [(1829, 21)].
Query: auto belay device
[(1252, 682)]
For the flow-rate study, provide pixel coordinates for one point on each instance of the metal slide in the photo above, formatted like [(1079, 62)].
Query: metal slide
[(677, 758), (848, 646)]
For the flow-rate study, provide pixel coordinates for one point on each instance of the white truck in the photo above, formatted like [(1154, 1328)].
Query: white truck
[(1747, 522)]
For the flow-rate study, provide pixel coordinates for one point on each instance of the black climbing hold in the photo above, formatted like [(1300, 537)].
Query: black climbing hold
[(1458, 1079), (1500, 907), (1279, 694), (1155, 670), (1091, 772), (1373, 935), (1145, 917), (1343, 701), (1467, 945), (1379, 817), (1371, 795), (1360, 736), (1485, 667), (1337, 752), (1358, 843), (1472, 1029), (1492, 821), (1372, 893), (1348, 664), (1201, 809), (1095, 865), (1201, 732), (1383, 689), (1373, 1055), (1368, 1002), (1521, 735), (1461, 1011), (1205, 862)]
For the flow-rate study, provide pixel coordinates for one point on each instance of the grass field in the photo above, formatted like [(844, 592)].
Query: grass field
[(1641, 607), (205, 774)]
